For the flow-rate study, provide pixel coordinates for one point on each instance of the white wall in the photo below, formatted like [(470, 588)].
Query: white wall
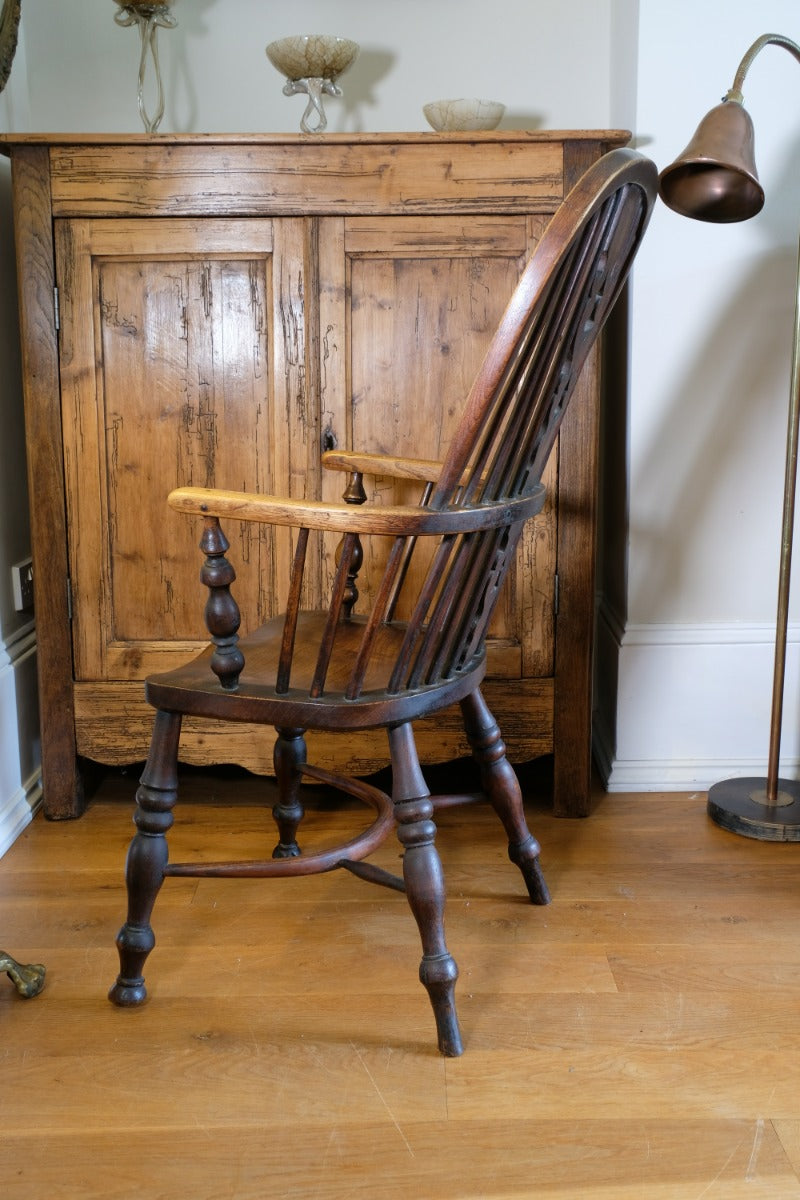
[(548, 61), (710, 362)]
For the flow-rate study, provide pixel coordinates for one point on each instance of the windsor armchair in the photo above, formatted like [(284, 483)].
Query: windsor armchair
[(337, 669)]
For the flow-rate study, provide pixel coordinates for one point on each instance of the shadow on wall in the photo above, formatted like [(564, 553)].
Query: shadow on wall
[(360, 90), (192, 20), (711, 424), (713, 421), (360, 87), (523, 120)]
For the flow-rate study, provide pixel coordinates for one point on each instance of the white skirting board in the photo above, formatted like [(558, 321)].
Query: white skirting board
[(681, 707), (20, 759), (16, 812)]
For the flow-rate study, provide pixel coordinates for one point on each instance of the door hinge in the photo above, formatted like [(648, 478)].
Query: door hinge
[(56, 310), (556, 594)]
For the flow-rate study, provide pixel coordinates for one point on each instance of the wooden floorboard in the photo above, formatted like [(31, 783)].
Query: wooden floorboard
[(638, 1038)]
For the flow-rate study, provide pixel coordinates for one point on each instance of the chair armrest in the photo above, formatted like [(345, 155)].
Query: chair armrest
[(422, 469), (394, 520)]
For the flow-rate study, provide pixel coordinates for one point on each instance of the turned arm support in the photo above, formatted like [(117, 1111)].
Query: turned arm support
[(394, 520)]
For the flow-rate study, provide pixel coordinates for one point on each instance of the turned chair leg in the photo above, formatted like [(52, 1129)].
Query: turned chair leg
[(501, 785), (289, 756), (147, 858), (424, 880)]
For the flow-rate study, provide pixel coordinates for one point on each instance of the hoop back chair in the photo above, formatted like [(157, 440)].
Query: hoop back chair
[(339, 670)]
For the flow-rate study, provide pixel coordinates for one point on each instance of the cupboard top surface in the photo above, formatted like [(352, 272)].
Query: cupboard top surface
[(609, 137)]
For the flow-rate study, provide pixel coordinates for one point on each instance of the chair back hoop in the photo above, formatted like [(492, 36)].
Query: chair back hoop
[(558, 308), (518, 401)]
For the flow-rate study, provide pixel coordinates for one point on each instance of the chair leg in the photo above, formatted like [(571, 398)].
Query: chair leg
[(289, 756), (422, 872), (147, 858), (502, 787)]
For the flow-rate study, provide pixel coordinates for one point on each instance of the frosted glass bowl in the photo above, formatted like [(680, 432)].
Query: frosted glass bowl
[(448, 115), (312, 56), (312, 62)]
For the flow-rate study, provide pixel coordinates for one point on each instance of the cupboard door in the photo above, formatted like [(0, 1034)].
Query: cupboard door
[(423, 297), (181, 364)]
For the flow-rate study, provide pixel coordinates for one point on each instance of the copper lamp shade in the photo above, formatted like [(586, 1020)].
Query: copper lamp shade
[(715, 178)]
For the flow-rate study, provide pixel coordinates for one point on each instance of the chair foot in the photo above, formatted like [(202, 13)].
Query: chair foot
[(439, 974), (127, 994), (284, 851), (526, 857), (424, 880), (135, 940), (147, 859), (134, 943), (28, 978)]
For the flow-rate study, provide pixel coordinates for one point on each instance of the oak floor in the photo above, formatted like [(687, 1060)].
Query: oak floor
[(639, 1037)]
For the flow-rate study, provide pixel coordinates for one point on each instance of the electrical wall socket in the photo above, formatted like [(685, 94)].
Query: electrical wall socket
[(22, 583)]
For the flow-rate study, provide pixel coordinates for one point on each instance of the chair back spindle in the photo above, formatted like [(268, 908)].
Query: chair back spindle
[(292, 613)]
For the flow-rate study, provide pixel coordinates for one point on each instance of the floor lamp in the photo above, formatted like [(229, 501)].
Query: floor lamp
[(715, 179)]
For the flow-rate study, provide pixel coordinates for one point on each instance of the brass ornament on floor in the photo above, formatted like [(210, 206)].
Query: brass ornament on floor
[(715, 180), (27, 979)]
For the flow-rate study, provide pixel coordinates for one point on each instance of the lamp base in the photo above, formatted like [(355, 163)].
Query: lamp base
[(740, 805)]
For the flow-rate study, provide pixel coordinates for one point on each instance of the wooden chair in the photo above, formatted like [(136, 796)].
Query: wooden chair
[(339, 670)]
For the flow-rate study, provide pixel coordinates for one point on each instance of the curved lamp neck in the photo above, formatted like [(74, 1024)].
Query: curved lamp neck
[(767, 39)]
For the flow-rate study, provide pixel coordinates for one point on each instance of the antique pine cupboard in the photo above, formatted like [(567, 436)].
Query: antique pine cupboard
[(217, 310)]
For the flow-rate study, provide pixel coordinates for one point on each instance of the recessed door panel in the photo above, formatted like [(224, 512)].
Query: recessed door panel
[(168, 332)]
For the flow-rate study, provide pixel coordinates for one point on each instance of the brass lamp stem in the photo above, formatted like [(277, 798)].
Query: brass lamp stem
[(766, 39), (790, 483), (787, 529)]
